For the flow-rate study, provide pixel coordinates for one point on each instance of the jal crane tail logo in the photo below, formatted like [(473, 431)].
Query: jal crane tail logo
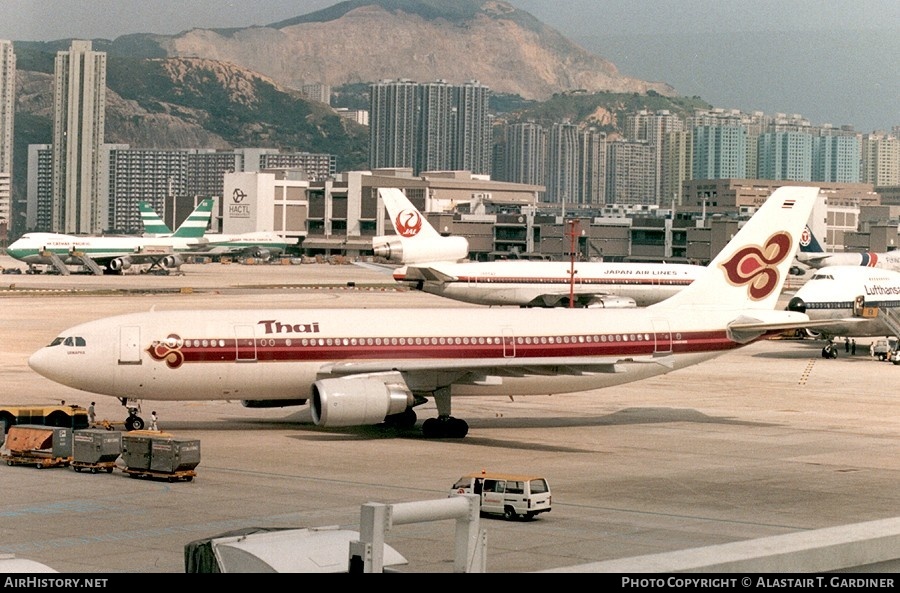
[(408, 223), (756, 266)]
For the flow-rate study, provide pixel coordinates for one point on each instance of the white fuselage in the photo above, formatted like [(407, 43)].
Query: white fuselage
[(278, 354), (531, 283), (889, 260), (30, 247), (849, 295)]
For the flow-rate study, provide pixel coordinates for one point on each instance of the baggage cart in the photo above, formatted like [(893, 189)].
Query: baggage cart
[(38, 461), (101, 466), (177, 476)]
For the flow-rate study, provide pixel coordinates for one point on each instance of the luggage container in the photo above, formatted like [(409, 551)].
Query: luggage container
[(136, 447), (174, 455), (41, 446), (96, 450), (159, 455)]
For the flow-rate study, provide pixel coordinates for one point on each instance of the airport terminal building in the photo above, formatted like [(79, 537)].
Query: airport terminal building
[(341, 214)]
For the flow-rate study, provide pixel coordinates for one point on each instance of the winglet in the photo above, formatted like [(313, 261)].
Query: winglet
[(749, 273), (194, 226)]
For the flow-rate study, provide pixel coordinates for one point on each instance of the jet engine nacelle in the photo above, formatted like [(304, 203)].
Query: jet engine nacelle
[(263, 253), (272, 403), (172, 261), (119, 264), (357, 401), (415, 251), (612, 302)]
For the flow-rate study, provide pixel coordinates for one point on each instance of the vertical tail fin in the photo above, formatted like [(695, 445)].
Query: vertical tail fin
[(751, 270), (809, 243), (407, 220), (416, 240), (194, 226), (153, 222)]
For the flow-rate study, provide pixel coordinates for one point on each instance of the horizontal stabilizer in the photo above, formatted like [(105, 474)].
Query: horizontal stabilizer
[(745, 329), (428, 275)]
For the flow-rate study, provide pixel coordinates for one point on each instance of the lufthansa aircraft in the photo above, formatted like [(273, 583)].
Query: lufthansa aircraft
[(519, 282), (850, 301), (371, 366), (115, 254)]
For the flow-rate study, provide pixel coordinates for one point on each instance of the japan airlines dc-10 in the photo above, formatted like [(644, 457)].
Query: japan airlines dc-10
[(372, 366), (430, 265)]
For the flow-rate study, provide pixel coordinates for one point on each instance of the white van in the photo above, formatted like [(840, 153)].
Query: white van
[(510, 495)]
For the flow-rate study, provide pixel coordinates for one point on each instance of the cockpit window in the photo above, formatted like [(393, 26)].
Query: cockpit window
[(70, 341), (822, 277), (56, 342)]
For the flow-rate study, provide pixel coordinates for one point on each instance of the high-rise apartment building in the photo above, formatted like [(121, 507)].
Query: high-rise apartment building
[(435, 127), (525, 155), (429, 127), (630, 173), (562, 164), (7, 113), (473, 133), (79, 113), (880, 159), (785, 155), (592, 167), (652, 128), (392, 124), (719, 151)]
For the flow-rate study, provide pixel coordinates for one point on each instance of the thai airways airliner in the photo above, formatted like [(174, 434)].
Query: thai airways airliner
[(374, 366)]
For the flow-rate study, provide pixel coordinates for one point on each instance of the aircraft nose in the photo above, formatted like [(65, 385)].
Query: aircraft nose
[(797, 304), (40, 362)]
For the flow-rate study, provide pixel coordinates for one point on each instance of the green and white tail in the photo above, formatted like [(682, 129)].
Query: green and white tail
[(153, 222)]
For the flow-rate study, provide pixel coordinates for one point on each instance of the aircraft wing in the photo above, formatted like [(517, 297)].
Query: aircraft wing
[(473, 371), (745, 329)]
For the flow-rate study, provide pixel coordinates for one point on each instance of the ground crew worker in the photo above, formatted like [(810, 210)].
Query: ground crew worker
[(91, 414), (153, 425)]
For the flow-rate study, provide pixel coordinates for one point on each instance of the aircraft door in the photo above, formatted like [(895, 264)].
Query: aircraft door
[(509, 343), (662, 336), (130, 344), (245, 342)]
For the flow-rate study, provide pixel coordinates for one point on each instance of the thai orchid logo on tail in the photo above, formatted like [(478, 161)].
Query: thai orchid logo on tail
[(756, 266), (408, 223)]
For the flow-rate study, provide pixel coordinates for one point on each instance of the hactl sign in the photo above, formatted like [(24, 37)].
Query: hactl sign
[(238, 209)]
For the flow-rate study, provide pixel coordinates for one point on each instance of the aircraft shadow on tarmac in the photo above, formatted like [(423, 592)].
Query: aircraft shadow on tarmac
[(307, 431)]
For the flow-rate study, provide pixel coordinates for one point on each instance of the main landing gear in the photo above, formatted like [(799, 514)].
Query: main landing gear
[(444, 426)]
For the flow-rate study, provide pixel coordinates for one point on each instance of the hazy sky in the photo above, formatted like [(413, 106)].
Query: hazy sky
[(832, 61)]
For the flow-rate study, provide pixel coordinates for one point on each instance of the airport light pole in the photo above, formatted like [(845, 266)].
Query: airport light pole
[(572, 224)]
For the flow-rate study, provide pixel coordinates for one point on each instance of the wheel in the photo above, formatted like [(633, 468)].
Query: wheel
[(76, 468), (9, 463), (189, 479), (137, 423), (39, 465), (509, 514), (109, 470), (93, 470)]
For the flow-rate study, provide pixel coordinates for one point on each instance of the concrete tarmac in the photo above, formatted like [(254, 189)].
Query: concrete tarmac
[(768, 440)]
